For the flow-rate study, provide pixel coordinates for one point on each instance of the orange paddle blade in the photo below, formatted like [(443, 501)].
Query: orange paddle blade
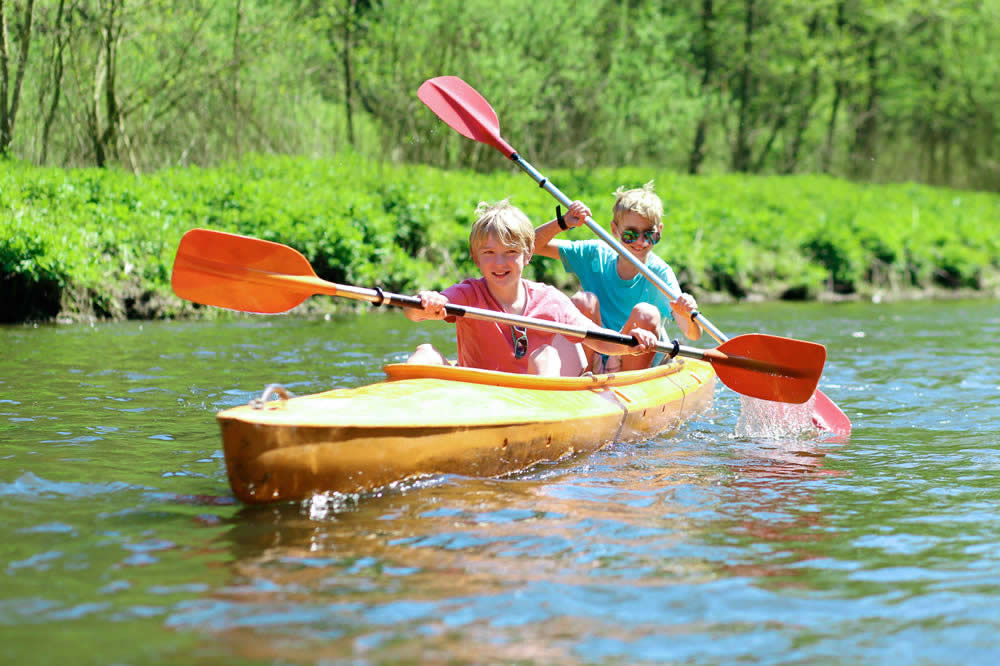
[(464, 110), (769, 367), (242, 273)]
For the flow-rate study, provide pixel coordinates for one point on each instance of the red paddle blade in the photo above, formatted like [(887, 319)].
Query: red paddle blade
[(828, 416), (464, 110), (239, 272), (769, 367)]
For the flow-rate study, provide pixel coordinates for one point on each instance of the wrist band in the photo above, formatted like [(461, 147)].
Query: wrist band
[(560, 219)]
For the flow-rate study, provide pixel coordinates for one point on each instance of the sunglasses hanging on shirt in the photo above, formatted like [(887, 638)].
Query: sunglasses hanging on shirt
[(519, 335)]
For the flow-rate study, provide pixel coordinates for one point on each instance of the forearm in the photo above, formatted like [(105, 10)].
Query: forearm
[(545, 236), (691, 329), (546, 244), (682, 317), (609, 348)]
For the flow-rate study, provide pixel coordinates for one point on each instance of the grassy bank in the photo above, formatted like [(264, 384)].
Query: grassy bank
[(100, 243)]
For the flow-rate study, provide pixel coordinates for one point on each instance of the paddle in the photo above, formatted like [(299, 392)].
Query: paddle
[(251, 275), (468, 113)]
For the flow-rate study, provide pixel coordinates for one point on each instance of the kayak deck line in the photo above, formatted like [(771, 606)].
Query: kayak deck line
[(396, 371), (427, 420)]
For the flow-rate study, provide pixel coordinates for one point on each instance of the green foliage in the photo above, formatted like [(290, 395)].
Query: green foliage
[(107, 237), (877, 91)]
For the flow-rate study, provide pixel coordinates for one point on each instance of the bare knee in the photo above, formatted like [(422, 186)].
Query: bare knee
[(645, 316), (562, 358), (426, 354)]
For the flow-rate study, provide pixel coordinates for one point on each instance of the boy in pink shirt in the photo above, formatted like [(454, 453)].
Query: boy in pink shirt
[(501, 243)]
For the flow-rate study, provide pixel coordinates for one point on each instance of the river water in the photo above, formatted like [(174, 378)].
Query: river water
[(122, 543)]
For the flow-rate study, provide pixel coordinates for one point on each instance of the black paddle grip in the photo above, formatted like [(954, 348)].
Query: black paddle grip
[(450, 309), (610, 336)]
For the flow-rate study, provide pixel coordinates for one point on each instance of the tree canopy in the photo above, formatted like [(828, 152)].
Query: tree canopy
[(872, 90)]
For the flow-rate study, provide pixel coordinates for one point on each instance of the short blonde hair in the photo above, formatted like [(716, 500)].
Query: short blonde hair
[(642, 200), (510, 225)]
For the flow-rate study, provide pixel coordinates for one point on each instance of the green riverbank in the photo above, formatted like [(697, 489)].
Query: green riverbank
[(95, 243)]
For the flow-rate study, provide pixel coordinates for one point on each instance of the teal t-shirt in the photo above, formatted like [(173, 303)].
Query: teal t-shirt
[(595, 264)]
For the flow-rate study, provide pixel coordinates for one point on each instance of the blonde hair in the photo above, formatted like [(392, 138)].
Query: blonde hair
[(641, 200), (507, 222)]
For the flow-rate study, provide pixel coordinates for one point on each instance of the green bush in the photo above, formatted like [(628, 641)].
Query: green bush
[(102, 241)]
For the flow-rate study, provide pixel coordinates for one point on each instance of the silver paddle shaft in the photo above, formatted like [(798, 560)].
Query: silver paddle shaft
[(664, 288)]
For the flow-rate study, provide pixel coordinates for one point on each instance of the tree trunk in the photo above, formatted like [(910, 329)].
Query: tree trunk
[(5, 122), (705, 57), (104, 135), (10, 96), (55, 82), (237, 64), (741, 149), (110, 63), (805, 109), (352, 7), (839, 90), (792, 158), (866, 129)]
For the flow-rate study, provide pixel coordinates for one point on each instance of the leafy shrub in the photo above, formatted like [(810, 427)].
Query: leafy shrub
[(105, 235)]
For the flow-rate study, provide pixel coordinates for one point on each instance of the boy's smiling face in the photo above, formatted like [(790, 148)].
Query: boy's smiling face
[(633, 224), (501, 265)]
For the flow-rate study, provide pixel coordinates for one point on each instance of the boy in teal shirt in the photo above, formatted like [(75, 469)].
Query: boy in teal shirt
[(614, 293)]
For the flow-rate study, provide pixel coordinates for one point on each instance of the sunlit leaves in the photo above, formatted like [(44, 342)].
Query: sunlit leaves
[(101, 230)]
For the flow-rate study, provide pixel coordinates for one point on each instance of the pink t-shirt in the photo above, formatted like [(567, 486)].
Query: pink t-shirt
[(490, 345)]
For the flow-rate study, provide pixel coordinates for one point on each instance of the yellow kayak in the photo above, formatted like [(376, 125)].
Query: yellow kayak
[(426, 420)]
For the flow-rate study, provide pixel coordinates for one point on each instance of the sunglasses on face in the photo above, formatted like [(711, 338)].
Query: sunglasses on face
[(630, 236), (519, 335)]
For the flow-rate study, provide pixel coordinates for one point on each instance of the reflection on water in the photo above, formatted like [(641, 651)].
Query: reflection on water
[(723, 543), (523, 563)]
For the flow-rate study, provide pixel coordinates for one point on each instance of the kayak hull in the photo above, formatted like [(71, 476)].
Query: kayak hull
[(427, 420)]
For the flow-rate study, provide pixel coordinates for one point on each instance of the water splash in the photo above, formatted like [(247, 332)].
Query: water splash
[(326, 505), (775, 420)]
